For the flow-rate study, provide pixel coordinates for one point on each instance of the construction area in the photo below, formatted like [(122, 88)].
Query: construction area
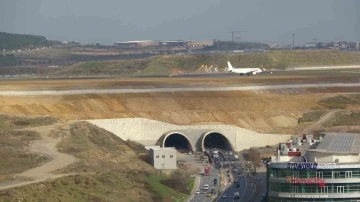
[(67, 124)]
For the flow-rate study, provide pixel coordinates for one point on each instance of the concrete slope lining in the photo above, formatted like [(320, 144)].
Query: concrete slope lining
[(150, 132), (167, 90)]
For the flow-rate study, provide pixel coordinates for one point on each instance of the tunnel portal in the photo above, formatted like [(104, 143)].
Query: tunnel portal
[(216, 140), (179, 141)]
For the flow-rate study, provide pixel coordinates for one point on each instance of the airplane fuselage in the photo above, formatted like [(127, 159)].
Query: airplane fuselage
[(246, 71), (243, 71)]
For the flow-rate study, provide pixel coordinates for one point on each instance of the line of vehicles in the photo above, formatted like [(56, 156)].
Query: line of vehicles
[(214, 153), (221, 159)]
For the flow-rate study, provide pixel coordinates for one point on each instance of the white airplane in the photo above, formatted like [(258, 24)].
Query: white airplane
[(243, 71)]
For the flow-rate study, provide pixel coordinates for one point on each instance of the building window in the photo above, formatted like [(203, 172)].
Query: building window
[(295, 189), (157, 156), (163, 156), (171, 156)]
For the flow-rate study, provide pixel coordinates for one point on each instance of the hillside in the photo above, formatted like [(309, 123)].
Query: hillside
[(164, 64), (8, 60), (106, 168), (9, 41), (169, 64)]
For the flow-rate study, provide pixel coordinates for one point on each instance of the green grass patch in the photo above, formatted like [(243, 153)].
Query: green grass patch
[(163, 190), (312, 116), (104, 187), (191, 184), (164, 64), (345, 119), (109, 67)]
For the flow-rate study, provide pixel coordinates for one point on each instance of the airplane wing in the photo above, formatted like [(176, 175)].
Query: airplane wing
[(251, 71)]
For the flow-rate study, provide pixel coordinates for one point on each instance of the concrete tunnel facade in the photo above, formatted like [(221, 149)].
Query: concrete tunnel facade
[(151, 132), (195, 140)]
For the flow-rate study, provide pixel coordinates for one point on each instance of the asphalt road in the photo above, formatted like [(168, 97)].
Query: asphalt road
[(245, 190), (180, 89), (207, 179)]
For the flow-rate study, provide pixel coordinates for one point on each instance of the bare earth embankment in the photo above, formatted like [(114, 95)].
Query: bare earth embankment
[(271, 111)]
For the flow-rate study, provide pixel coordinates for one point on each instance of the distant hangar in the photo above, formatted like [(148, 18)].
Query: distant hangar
[(171, 43), (143, 43)]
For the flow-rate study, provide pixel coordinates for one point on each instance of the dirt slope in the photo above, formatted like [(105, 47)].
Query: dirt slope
[(45, 146), (318, 124), (260, 111)]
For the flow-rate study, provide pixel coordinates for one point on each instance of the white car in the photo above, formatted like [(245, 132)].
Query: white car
[(224, 196), (206, 186), (197, 192)]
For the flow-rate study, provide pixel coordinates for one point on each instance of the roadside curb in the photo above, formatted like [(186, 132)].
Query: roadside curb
[(196, 186), (257, 187)]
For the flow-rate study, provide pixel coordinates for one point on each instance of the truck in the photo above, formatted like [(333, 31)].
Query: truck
[(215, 154), (207, 171), (236, 195)]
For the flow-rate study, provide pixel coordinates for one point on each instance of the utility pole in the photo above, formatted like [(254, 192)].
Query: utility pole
[(293, 41)]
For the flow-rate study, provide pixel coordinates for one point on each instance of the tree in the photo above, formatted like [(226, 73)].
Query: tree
[(254, 156), (179, 181), (16, 41)]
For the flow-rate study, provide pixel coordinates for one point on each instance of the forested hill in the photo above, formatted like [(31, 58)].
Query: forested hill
[(10, 41)]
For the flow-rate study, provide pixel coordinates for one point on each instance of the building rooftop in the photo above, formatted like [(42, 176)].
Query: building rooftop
[(343, 143), (163, 148), (171, 41), (136, 41)]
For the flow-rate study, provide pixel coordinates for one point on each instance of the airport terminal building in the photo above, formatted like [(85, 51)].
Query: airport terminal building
[(325, 167)]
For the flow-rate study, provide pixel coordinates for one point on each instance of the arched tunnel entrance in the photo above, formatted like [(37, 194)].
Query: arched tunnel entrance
[(179, 141), (216, 140)]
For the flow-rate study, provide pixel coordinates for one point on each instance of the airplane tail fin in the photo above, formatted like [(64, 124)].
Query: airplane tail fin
[(230, 67)]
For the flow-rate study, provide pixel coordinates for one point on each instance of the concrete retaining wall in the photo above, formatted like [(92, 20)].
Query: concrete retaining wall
[(148, 132)]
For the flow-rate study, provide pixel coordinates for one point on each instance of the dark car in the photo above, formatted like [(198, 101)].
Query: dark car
[(237, 185)]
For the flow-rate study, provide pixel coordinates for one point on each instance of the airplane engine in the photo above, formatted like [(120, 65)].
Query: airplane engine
[(254, 73)]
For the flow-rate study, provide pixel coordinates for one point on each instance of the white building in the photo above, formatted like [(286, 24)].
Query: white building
[(326, 168), (163, 158)]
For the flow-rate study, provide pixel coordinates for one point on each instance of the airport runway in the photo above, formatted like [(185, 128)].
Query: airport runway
[(179, 89), (289, 71)]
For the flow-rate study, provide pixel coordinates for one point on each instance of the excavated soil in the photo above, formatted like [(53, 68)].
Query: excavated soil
[(260, 111), (266, 111)]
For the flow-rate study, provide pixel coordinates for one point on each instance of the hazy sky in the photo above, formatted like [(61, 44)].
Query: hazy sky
[(109, 21)]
